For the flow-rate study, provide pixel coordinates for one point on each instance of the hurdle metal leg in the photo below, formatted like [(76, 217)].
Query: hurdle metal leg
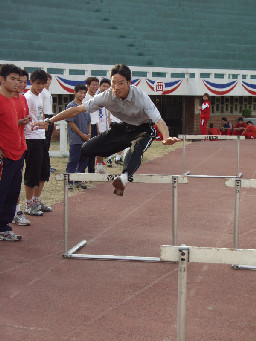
[(236, 219), (182, 293), (174, 179)]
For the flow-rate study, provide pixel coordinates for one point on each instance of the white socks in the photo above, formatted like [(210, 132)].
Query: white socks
[(124, 178)]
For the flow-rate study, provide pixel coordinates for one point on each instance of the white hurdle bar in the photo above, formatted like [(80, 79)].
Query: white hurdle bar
[(238, 183), (139, 178), (184, 254), (210, 138)]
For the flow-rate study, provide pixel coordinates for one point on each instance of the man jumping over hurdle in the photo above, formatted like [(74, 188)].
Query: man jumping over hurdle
[(138, 115)]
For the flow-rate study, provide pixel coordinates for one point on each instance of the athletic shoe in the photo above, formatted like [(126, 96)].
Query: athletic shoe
[(109, 163), (33, 210), (79, 184), (44, 208), (119, 186), (52, 170), (9, 236), (20, 220), (119, 162)]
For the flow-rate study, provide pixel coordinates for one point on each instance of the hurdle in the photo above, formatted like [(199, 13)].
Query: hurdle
[(211, 138), (238, 183), (138, 178), (184, 254)]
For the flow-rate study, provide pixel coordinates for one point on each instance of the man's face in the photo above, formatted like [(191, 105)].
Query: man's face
[(120, 86), (80, 95), (22, 84), (104, 86), (48, 83), (11, 82), (93, 87), (205, 98), (37, 87)]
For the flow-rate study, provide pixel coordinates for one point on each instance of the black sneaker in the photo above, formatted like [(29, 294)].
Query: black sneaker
[(119, 162), (109, 163), (80, 185)]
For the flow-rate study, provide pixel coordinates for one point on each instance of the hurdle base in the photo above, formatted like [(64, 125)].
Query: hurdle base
[(214, 176), (72, 254), (243, 267)]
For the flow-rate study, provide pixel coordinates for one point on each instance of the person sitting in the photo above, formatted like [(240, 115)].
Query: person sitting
[(213, 131), (226, 128), (239, 127), (250, 131)]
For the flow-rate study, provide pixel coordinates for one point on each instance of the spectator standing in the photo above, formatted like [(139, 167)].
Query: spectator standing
[(22, 110), (11, 151), (37, 160), (79, 131), (204, 113), (47, 111), (103, 122), (92, 88)]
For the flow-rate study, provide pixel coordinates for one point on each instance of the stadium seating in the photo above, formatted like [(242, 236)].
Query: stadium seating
[(189, 33)]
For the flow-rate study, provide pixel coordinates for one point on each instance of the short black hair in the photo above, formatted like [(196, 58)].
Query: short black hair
[(7, 69), (105, 80), (91, 79), (211, 125), (249, 122), (79, 87), (122, 70), (240, 119), (24, 73), (39, 75), (224, 119)]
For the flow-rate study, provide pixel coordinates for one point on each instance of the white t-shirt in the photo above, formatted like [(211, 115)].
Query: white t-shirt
[(35, 106), (94, 114), (103, 120), (47, 102)]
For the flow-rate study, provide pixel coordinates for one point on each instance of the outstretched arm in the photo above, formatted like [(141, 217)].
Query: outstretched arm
[(167, 140), (71, 112)]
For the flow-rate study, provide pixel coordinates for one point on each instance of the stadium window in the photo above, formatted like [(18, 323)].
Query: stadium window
[(98, 73), (55, 71), (253, 77), (231, 109), (219, 75), (192, 75), (75, 72), (205, 75), (236, 107), (244, 76), (235, 76), (213, 109), (222, 109), (177, 75), (139, 73), (240, 109), (227, 107), (250, 100), (231, 100), (159, 74), (31, 69)]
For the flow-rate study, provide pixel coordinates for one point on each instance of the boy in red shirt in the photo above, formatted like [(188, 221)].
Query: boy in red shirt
[(239, 127), (213, 131), (204, 114), (22, 110), (250, 131), (11, 151)]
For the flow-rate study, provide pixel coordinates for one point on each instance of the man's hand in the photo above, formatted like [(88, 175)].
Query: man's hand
[(85, 137), (170, 140), (39, 125), (24, 121)]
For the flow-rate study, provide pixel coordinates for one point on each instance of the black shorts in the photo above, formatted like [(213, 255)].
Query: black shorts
[(37, 163)]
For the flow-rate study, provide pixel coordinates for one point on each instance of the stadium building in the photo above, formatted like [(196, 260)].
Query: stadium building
[(177, 50)]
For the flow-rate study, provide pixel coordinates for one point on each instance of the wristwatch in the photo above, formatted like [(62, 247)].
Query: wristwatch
[(48, 121)]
